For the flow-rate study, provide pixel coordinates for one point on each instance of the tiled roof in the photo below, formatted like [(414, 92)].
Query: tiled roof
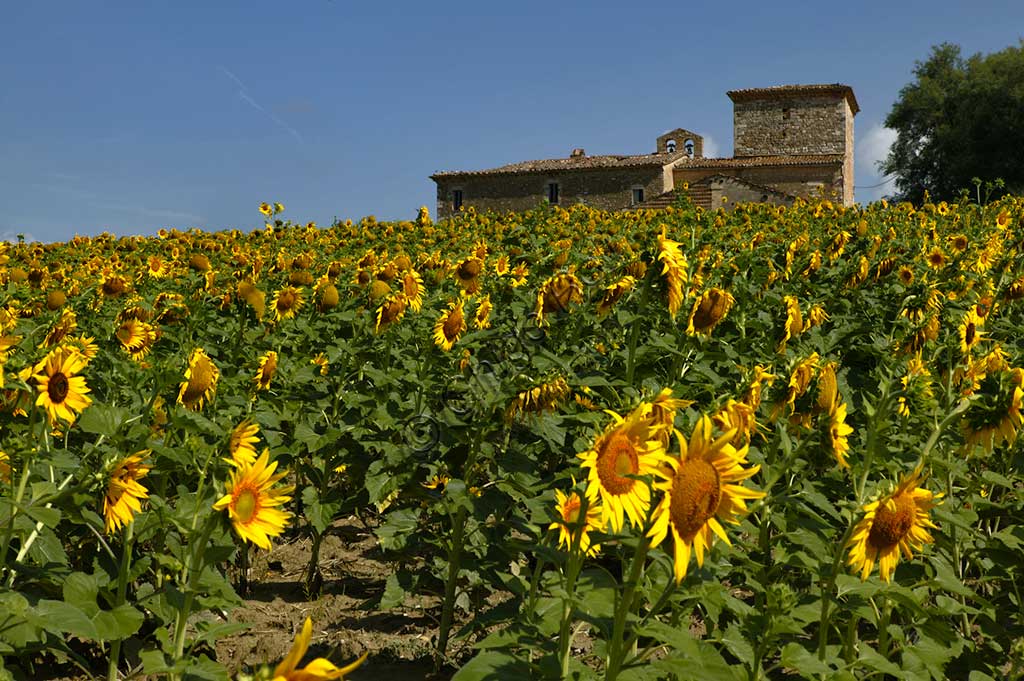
[(755, 161), (780, 91), (570, 163)]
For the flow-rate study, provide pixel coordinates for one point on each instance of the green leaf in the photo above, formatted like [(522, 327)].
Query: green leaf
[(395, 531), (80, 590), (494, 664), (102, 419), (806, 663), (393, 595), (63, 618), (119, 623)]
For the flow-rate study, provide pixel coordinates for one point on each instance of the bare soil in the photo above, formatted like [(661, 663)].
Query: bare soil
[(346, 622)]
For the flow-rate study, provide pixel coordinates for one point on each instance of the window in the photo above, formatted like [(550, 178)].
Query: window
[(785, 114), (689, 146), (638, 195), (670, 146), (456, 199), (553, 193)]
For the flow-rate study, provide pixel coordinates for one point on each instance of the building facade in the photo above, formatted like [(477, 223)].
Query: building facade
[(788, 141)]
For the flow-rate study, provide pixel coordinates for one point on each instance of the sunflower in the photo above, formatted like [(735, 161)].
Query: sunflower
[(838, 433), (970, 331), (5, 467), (321, 361), (794, 321), (266, 209), (136, 338), (959, 243), (906, 275), (200, 381), (449, 326), (569, 522), (122, 500), (482, 316), (816, 316), (317, 670), (998, 413), (61, 392), (708, 311), (501, 265), (520, 273), (467, 274), (700, 491), (412, 286), (326, 295), (545, 397), (556, 294), (738, 417), (390, 311), (935, 258), (663, 410), (286, 302), (266, 371), (61, 329), (251, 499), (674, 267), (894, 524), (242, 443), (157, 267), (627, 448), (613, 293)]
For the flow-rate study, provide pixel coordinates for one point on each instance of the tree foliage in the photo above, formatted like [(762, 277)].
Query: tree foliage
[(960, 119)]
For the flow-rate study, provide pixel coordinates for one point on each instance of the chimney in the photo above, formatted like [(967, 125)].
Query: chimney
[(577, 153)]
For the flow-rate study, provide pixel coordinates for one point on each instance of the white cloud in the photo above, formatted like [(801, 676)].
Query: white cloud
[(711, 149), (873, 147), (12, 237)]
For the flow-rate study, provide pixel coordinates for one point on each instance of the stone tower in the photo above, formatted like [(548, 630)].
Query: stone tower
[(797, 120)]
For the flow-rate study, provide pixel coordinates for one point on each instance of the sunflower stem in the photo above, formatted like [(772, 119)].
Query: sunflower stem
[(634, 335), (623, 608), (576, 556), (122, 592), (448, 607), (196, 563), (883, 626)]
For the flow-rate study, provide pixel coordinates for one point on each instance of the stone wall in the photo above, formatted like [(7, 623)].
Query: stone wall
[(728, 191), (604, 188), (805, 124), (806, 181)]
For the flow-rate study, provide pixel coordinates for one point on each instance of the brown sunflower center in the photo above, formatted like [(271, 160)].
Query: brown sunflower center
[(616, 459), (470, 269), (696, 493), (892, 523), (247, 504), (710, 311), (453, 325), (58, 387), (199, 382), (969, 334), (285, 301)]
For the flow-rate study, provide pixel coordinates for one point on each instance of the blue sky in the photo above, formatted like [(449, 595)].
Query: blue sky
[(132, 116)]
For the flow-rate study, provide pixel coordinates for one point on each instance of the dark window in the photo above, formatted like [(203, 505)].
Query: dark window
[(638, 195), (553, 193), (785, 114), (456, 199)]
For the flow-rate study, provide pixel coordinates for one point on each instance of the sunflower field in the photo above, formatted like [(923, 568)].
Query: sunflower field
[(758, 443)]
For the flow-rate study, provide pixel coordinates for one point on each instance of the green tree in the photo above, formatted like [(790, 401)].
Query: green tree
[(960, 119)]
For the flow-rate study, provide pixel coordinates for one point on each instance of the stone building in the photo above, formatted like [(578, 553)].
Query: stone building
[(788, 141)]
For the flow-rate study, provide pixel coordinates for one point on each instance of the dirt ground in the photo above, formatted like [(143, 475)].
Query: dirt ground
[(400, 641)]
